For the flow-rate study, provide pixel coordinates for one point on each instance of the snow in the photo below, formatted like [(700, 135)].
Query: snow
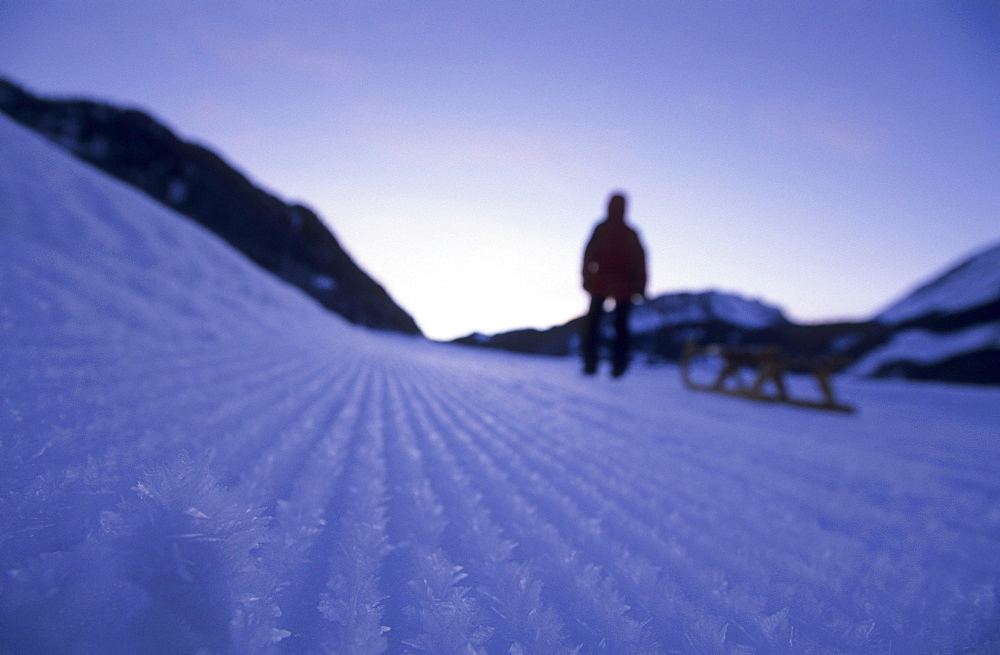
[(926, 347), (324, 282), (195, 458), (177, 192), (680, 308), (974, 282)]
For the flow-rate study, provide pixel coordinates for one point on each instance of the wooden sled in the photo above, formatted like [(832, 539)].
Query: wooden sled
[(767, 366)]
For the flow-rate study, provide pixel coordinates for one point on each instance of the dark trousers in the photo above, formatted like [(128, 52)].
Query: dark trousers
[(592, 336)]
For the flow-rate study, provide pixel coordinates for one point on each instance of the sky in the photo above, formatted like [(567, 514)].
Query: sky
[(825, 156)]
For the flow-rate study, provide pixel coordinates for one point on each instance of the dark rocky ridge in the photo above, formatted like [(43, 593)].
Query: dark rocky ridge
[(288, 240)]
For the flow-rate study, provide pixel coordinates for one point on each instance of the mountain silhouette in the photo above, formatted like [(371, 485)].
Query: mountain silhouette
[(289, 240)]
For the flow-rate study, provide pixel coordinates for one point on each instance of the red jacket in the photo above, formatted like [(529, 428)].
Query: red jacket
[(614, 262)]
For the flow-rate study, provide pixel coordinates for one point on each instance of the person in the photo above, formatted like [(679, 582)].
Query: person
[(614, 267)]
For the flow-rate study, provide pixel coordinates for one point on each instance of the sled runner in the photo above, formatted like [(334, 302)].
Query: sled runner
[(766, 366)]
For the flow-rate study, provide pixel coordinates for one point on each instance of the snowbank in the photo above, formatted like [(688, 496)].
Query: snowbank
[(925, 347)]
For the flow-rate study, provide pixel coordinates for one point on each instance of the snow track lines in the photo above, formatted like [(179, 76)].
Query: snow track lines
[(195, 459), (416, 506)]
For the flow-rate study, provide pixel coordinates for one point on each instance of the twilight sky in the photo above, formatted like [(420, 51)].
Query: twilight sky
[(824, 156)]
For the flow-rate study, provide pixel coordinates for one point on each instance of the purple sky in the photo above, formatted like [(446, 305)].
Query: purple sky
[(824, 156)]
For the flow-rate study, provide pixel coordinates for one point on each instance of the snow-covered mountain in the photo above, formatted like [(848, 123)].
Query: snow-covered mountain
[(196, 458), (972, 285), (663, 325), (947, 329), (288, 240), (675, 309)]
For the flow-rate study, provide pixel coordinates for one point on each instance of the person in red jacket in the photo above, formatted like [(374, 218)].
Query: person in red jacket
[(614, 266)]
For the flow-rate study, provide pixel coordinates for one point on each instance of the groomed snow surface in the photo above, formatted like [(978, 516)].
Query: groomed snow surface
[(194, 458)]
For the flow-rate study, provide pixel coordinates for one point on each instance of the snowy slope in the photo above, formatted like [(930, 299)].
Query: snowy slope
[(974, 282), (195, 459), (288, 240), (947, 329), (923, 347), (683, 308)]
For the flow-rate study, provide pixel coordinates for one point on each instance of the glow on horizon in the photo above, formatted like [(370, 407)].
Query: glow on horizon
[(825, 157)]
